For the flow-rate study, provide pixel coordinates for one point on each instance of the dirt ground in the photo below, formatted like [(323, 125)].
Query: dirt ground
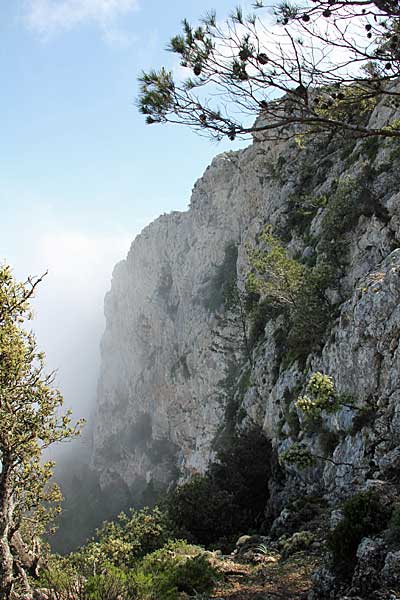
[(285, 580)]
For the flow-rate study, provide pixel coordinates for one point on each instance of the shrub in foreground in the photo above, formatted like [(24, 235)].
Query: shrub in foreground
[(122, 542), (177, 567)]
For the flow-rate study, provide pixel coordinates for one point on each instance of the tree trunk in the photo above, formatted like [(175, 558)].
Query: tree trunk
[(28, 559), (6, 517), (6, 570)]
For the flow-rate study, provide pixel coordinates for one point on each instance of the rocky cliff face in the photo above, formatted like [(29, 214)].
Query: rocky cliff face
[(171, 371), (160, 402)]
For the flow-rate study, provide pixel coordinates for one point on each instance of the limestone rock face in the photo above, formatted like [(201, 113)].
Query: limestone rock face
[(168, 360), (160, 401)]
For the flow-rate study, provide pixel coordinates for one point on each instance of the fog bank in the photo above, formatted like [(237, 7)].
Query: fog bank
[(68, 307)]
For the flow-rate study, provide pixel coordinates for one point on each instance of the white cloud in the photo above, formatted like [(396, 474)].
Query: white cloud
[(49, 17), (117, 37)]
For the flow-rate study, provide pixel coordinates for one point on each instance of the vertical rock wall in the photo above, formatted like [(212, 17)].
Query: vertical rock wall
[(162, 395)]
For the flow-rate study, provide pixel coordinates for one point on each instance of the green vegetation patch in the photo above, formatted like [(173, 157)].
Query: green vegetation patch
[(363, 516), (164, 574), (219, 288), (230, 498), (288, 287), (176, 568), (301, 211), (352, 198)]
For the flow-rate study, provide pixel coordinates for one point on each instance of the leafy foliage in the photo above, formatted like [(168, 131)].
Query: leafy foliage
[(288, 71), (275, 275), (202, 512), (101, 570), (312, 315), (222, 285), (259, 313), (61, 577), (130, 537), (119, 544), (286, 285), (298, 542), (303, 512), (177, 567), (302, 210), (244, 468), (65, 581), (299, 455), (321, 395), (394, 525), (328, 441), (363, 515), (111, 584), (230, 498), (30, 422), (352, 198), (166, 573)]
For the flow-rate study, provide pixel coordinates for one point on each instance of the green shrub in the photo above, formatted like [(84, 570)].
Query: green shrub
[(313, 424), (321, 395), (123, 541), (275, 275), (259, 312), (394, 525), (292, 420), (201, 511), (363, 515), (66, 579), (298, 455), (328, 441), (303, 513), (312, 313), (220, 287), (177, 567), (289, 287), (305, 510), (299, 541), (61, 576), (111, 584), (302, 210), (352, 198), (230, 499), (365, 416), (243, 469), (259, 316)]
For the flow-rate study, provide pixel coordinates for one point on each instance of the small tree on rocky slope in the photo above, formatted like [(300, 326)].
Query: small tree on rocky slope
[(30, 422), (323, 65)]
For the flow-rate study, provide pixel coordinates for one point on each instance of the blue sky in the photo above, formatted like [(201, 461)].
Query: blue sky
[(73, 139), (80, 172)]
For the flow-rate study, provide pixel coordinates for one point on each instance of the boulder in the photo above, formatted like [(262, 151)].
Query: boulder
[(370, 559), (324, 585), (391, 569)]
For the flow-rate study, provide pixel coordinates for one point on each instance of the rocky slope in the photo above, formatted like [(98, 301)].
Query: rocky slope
[(172, 375)]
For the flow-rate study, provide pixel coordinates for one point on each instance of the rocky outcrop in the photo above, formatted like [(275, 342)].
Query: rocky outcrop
[(170, 366)]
